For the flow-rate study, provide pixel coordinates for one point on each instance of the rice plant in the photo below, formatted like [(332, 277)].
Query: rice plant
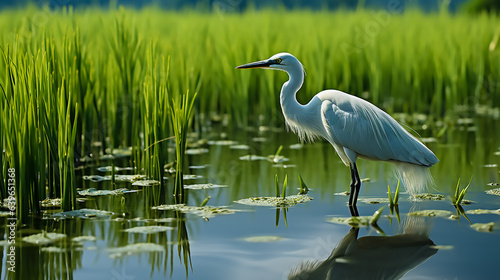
[(181, 112), (90, 81)]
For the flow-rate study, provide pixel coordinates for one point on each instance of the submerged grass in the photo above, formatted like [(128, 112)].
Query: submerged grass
[(93, 81)]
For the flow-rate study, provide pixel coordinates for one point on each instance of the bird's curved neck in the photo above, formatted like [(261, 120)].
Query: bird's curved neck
[(288, 98)]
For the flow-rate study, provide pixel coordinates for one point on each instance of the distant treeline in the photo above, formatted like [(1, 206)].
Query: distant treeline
[(240, 5)]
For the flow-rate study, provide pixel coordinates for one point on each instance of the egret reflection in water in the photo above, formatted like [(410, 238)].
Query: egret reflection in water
[(372, 257)]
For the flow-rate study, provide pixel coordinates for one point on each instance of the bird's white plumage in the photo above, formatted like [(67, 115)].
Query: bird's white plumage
[(354, 127)]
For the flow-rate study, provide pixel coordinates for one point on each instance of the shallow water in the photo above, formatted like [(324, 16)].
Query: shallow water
[(218, 248)]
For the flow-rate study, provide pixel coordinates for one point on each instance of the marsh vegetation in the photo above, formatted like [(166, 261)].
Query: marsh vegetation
[(129, 129)]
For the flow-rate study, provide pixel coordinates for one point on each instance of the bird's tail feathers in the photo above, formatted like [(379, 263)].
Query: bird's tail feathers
[(415, 178)]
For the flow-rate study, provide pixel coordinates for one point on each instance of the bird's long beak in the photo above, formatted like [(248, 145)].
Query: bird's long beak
[(257, 64)]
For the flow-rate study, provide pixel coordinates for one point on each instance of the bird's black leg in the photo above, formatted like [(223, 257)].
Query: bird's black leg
[(355, 185)]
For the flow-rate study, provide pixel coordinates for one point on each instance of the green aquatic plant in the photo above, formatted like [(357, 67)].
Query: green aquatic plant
[(205, 201), (108, 78), (285, 184), (303, 186), (394, 202), (181, 111), (459, 195)]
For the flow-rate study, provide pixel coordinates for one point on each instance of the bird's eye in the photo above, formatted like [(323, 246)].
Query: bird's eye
[(278, 60)]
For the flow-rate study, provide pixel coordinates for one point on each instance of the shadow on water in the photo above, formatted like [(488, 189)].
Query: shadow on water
[(373, 257)]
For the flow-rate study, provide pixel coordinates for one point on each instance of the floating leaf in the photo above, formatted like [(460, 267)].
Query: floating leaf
[(51, 203), (198, 166), (53, 249), (346, 193), (110, 168), (488, 227), (262, 239), (134, 249), (118, 178), (494, 191), (356, 221), (81, 213), (275, 201), (483, 211), (198, 151), (146, 183), (148, 229), (84, 238), (44, 238), (432, 213), (94, 192), (203, 186), (223, 143), (429, 196), (191, 177), (296, 146), (252, 158), (374, 200), (239, 147), (276, 158), (202, 211)]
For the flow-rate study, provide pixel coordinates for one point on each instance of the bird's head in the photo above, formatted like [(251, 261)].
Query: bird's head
[(281, 61)]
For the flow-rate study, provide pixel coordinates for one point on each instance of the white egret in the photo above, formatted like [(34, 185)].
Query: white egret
[(353, 126)]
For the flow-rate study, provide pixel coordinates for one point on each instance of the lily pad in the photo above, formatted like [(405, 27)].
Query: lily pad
[(118, 178), (110, 168), (134, 249), (483, 211), (94, 192), (204, 211), (239, 147), (429, 196), (358, 221), (262, 239), (375, 200), (494, 191), (487, 227), (44, 238), (223, 143), (198, 166), (275, 201), (346, 193), (252, 158), (198, 151), (82, 213), (432, 213), (296, 146), (277, 158), (84, 238), (148, 229), (53, 249), (191, 177), (203, 186), (146, 183), (51, 203)]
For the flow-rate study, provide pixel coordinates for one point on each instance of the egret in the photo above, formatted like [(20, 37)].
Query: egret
[(353, 126)]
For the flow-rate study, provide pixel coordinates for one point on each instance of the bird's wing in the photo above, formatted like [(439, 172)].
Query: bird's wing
[(370, 132)]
